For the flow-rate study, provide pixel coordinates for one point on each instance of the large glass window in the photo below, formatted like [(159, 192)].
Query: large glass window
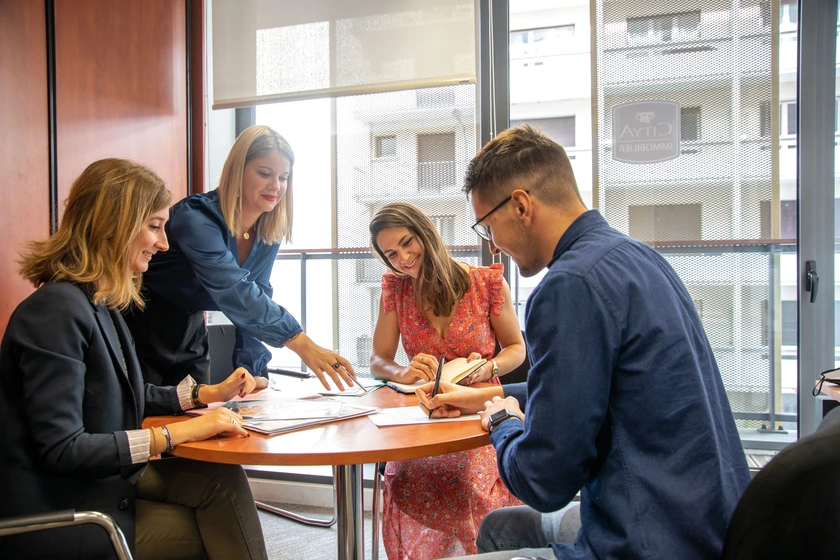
[(720, 214)]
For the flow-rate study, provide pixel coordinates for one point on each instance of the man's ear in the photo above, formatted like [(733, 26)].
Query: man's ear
[(523, 206)]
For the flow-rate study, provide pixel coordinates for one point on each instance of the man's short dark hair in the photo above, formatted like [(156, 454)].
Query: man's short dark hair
[(522, 157)]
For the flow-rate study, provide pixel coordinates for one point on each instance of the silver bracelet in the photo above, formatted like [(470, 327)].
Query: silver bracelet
[(165, 431)]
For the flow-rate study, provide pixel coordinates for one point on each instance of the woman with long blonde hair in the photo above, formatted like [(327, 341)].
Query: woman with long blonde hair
[(223, 247), (72, 397)]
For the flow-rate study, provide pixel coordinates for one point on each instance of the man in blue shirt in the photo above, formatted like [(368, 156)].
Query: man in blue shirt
[(624, 401)]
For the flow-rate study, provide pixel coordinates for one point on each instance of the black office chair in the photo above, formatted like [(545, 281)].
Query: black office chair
[(791, 509), (221, 339), (28, 523)]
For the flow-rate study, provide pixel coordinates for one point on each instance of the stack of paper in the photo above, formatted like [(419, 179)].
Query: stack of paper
[(276, 416)]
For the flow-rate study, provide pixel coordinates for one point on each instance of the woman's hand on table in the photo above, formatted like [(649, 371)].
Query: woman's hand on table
[(323, 362), (220, 421), (238, 383), (454, 400)]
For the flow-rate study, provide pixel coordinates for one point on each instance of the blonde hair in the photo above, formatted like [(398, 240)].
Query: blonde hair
[(254, 142), (107, 207), (442, 281)]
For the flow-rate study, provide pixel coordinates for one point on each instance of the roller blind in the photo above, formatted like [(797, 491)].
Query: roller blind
[(271, 50)]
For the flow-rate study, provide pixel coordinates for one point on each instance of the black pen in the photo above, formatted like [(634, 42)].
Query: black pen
[(437, 379)]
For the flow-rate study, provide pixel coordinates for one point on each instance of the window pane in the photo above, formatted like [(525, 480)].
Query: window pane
[(718, 194)]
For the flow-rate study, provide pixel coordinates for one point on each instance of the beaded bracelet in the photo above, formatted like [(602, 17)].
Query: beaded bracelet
[(165, 431)]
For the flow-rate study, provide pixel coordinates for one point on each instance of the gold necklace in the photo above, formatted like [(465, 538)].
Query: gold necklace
[(247, 235)]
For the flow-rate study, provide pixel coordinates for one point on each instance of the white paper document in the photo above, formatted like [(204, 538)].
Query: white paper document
[(411, 415)]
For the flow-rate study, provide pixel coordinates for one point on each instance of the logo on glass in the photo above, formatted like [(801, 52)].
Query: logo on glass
[(646, 131)]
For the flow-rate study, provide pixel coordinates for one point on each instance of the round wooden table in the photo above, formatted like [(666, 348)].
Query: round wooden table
[(347, 445)]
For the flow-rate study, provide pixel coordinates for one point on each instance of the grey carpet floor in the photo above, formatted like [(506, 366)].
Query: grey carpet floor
[(288, 540)]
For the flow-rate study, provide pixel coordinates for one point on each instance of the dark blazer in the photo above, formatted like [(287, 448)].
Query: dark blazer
[(70, 386)]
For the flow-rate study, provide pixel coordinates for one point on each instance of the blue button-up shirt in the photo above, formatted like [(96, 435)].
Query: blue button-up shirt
[(624, 402), (201, 272)]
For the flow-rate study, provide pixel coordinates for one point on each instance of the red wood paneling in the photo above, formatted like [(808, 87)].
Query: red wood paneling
[(121, 87), (24, 150)]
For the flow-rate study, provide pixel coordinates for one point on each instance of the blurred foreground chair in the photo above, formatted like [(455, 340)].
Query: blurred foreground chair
[(791, 509), (67, 518), (221, 339)]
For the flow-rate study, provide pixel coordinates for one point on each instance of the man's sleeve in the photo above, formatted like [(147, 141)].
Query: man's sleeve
[(574, 339)]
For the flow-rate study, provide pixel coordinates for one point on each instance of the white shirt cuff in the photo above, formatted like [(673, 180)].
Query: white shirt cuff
[(138, 445), (184, 391)]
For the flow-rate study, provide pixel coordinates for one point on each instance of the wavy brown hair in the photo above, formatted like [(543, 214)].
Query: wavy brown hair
[(442, 282), (107, 207), (255, 142)]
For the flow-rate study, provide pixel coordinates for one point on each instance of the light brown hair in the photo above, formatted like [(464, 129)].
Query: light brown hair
[(255, 142), (107, 207), (522, 157), (442, 281)]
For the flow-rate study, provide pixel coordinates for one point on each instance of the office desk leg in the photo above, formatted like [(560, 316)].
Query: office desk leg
[(349, 513)]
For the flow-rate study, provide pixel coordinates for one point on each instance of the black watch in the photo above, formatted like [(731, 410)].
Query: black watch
[(498, 417)]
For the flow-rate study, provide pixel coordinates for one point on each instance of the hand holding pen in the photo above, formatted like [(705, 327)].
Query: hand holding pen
[(437, 379)]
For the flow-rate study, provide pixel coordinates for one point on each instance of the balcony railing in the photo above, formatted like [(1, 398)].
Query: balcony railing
[(388, 178), (743, 337)]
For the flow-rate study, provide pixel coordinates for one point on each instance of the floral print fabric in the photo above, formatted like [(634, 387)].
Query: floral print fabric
[(434, 506)]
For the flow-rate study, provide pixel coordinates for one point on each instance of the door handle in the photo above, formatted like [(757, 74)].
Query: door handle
[(812, 279)]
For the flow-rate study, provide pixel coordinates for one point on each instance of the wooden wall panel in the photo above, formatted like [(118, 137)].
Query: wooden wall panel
[(24, 149), (121, 87)]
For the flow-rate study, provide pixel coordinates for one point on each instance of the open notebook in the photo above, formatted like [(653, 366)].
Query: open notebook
[(454, 371)]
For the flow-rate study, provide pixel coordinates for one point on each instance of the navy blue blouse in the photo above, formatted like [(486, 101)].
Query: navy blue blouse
[(201, 272)]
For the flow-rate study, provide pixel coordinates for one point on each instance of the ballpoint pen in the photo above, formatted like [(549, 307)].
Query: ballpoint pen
[(437, 379), (359, 383)]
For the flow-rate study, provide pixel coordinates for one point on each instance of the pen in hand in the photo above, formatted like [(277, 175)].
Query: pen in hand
[(437, 379)]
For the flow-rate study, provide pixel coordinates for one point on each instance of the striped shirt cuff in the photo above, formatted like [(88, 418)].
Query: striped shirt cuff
[(184, 391), (138, 445)]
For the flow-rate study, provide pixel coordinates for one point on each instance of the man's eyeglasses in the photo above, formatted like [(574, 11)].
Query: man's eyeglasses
[(484, 231)]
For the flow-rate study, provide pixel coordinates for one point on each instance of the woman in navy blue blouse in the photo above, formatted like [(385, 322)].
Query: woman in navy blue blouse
[(222, 248)]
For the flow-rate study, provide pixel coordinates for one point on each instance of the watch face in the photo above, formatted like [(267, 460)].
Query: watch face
[(498, 416)]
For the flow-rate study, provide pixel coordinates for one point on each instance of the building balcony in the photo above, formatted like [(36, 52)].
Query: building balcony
[(392, 179), (710, 60), (698, 162)]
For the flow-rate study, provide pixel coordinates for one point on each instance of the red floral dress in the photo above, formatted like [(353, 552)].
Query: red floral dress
[(434, 506)]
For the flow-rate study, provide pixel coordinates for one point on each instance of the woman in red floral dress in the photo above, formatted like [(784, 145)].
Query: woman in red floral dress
[(434, 506)]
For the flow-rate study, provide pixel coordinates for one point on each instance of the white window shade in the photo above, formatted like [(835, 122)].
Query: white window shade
[(271, 50)]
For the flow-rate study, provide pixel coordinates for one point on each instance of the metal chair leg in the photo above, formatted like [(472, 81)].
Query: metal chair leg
[(296, 517), (300, 518), (375, 515)]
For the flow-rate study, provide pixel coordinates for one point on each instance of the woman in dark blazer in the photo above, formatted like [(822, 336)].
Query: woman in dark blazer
[(72, 396)]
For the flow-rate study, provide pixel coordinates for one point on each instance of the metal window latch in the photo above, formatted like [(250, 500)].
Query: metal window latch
[(812, 279)]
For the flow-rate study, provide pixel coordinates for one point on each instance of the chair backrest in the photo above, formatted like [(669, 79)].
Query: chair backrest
[(221, 339), (791, 509), (520, 373)]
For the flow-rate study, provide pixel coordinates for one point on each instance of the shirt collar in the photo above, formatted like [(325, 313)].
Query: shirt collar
[(588, 220)]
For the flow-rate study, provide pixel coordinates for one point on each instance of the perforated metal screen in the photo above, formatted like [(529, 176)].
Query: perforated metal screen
[(716, 62), (411, 146)]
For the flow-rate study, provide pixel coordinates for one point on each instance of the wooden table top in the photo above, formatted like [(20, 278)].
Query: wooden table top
[(347, 442)]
